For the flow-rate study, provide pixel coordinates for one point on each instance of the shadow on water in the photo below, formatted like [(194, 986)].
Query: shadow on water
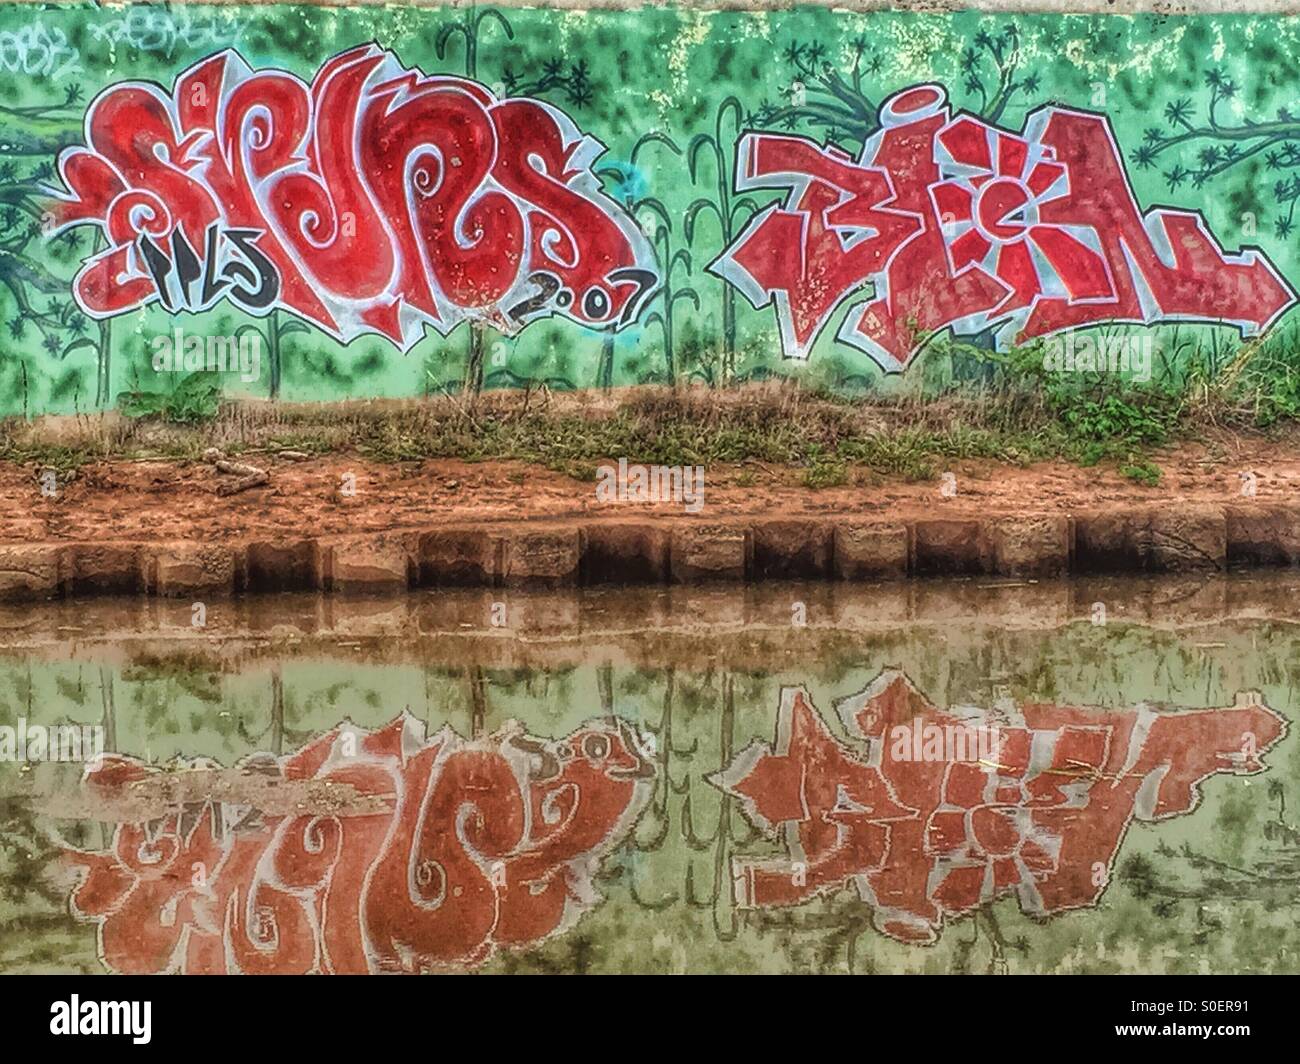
[(948, 776)]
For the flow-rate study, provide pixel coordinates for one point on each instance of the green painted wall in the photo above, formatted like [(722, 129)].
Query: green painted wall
[(1199, 106)]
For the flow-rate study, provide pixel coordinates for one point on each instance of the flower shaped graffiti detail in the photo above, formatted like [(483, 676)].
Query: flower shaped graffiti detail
[(982, 836), (990, 206)]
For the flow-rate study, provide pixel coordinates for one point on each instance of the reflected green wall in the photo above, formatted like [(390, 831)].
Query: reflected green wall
[(1228, 870)]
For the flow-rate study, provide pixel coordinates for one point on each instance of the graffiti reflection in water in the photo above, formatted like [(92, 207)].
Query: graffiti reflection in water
[(924, 839), (462, 848), (477, 845)]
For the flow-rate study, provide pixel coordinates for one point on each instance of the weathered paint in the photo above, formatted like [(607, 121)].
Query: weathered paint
[(397, 202)]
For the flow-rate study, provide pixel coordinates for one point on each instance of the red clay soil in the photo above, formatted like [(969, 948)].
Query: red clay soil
[(153, 500), (458, 522)]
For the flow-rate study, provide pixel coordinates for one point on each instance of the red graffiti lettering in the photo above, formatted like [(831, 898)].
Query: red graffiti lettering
[(959, 224), (374, 200)]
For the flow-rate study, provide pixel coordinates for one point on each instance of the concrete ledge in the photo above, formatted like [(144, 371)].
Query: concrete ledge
[(381, 564), (1188, 539), (624, 553), (872, 550), (709, 552), (542, 558), (793, 550), (670, 550), (1262, 535), (29, 573), (98, 569), (175, 570), (950, 547), (1111, 542), (289, 566), (1159, 541), (458, 558), (1029, 546)]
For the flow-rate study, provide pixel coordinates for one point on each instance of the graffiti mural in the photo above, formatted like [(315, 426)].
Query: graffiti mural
[(927, 829), (374, 199), (471, 846), (402, 205), (959, 224)]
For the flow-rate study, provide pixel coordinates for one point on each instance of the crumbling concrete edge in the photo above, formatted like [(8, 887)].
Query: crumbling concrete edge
[(586, 552)]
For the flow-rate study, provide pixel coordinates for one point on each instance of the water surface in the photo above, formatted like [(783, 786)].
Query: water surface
[(680, 780)]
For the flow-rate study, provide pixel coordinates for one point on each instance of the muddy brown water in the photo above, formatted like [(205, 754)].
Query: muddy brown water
[(1086, 776)]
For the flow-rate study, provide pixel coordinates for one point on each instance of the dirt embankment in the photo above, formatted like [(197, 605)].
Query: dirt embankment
[(342, 523)]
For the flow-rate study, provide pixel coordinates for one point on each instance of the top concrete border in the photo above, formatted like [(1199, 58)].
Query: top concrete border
[(999, 7)]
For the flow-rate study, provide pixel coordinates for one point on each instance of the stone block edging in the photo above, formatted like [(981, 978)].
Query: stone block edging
[(659, 550)]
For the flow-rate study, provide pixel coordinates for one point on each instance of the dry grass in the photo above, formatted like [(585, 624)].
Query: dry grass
[(774, 422)]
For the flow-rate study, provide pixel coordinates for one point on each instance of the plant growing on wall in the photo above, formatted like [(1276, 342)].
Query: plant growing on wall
[(819, 96), (644, 208), (26, 259), (469, 28), (272, 335), (1197, 881), (1001, 51), (730, 213), (272, 737), (838, 105), (669, 296), (1225, 145), (572, 80)]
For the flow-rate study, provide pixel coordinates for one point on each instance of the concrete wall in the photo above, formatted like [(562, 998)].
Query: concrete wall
[(321, 203)]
